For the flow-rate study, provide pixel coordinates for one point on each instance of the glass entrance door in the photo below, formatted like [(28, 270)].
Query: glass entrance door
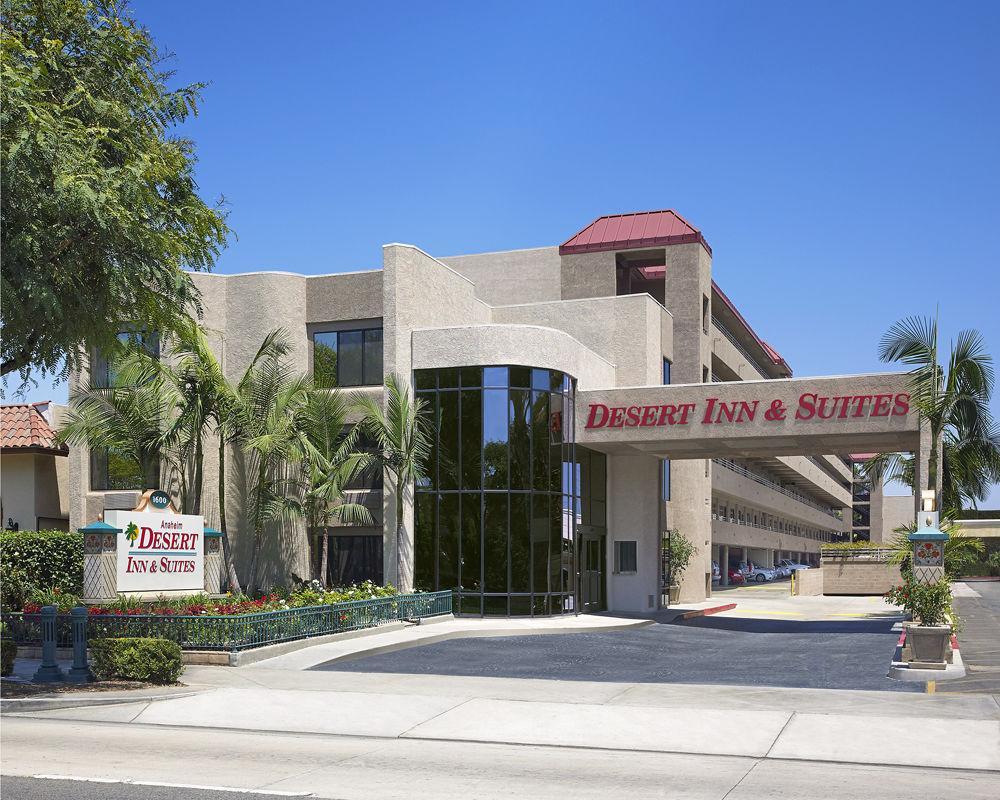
[(592, 563)]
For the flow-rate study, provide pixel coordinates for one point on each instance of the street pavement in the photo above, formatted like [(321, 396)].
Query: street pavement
[(350, 768), (978, 606)]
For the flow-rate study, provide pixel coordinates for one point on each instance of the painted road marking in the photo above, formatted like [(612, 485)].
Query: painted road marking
[(207, 788)]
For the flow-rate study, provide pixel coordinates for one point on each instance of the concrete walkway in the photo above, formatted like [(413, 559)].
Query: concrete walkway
[(814, 725)]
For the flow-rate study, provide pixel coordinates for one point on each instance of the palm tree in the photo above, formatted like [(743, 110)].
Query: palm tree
[(331, 462), (954, 402), (125, 418), (209, 399), (266, 420), (400, 433)]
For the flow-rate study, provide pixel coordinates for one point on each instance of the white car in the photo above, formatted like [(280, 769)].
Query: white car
[(761, 574), (793, 565)]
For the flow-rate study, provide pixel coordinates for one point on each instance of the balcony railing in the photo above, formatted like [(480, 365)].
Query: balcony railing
[(801, 498), (735, 342), (819, 536)]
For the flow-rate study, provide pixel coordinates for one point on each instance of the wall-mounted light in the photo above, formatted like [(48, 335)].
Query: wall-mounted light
[(928, 500)]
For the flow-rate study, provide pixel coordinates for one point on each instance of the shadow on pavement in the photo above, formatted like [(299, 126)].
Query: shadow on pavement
[(747, 625)]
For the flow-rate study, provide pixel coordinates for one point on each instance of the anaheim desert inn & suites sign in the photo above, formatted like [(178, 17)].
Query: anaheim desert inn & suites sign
[(158, 550)]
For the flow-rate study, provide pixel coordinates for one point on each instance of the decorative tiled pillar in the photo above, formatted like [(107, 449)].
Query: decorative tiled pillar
[(213, 561), (100, 562)]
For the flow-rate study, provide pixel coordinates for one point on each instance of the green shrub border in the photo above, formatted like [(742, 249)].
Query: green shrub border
[(40, 560), (137, 659), (8, 652)]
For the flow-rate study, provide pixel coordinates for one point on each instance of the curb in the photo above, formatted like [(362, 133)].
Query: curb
[(902, 671), (19, 705), (704, 612), (475, 634)]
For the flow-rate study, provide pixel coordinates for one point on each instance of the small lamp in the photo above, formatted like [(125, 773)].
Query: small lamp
[(928, 500)]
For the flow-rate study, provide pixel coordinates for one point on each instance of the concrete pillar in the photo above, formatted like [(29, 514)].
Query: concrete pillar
[(688, 297), (724, 564)]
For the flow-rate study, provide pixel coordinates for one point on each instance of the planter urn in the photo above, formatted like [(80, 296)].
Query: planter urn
[(674, 593), (929, 643)]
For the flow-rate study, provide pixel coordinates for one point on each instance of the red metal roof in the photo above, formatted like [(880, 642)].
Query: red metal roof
[(773, 354), (630, 231), (23, 429)]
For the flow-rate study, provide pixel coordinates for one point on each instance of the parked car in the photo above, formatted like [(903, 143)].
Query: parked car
[(783, 571), (793, 565), (736, 577), (762, 574), (716, 572)]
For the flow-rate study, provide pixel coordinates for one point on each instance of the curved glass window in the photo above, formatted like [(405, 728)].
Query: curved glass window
[(496, 514)]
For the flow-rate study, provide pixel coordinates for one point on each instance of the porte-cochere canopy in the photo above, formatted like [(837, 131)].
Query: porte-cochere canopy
[(795, 416)]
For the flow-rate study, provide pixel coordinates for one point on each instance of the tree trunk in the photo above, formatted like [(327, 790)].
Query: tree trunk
[(227, 550), (324, 558), (198, 477), (258, 537)]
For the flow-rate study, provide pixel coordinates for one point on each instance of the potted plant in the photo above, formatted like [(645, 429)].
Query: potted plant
[(678, 550), (929, 605)]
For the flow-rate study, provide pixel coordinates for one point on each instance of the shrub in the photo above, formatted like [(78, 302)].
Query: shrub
[(39, 598), (928, 604), (8, 652), (39, 559), (153, 660), (679, 554)]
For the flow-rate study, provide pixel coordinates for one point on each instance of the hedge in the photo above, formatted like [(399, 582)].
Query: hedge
[(8, 652), (40, 560), (153, 660)]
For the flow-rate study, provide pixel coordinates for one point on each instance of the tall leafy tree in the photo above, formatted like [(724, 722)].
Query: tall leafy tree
[(332, 460), (954, 400), (400, 431), (100, 213)]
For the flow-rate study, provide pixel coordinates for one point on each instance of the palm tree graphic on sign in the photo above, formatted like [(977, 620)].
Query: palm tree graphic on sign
[(132, 532)]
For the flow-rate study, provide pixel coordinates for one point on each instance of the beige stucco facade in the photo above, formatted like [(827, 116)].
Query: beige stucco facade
[(783, 480)]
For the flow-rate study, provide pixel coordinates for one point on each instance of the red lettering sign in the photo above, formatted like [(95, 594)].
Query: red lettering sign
[(739, 412)]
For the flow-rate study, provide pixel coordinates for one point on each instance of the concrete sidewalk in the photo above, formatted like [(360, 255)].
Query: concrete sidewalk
[(812, 725)]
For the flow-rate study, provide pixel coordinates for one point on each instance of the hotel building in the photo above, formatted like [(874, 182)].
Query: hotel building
[(522, 512)]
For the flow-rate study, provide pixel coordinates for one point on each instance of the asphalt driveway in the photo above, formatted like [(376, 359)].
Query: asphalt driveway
[(979, 639), (725, 650)]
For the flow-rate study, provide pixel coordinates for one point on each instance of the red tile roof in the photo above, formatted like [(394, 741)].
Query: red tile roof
[(629, 231), (23, 429)]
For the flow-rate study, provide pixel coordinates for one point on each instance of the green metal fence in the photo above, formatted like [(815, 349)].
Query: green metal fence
[(242, 631)]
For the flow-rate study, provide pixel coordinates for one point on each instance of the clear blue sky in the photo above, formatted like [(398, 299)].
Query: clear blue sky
[(840, 158)]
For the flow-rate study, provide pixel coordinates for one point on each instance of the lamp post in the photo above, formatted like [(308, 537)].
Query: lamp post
[(928, 541)]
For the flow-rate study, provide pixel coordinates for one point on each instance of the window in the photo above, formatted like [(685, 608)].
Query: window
[(625, 557), (665, 479), (704, 313), (347, 358), (496, 518), (704, 374), (666, 371)]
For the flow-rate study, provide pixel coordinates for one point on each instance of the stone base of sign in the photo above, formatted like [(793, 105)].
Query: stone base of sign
[(100, 562)]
